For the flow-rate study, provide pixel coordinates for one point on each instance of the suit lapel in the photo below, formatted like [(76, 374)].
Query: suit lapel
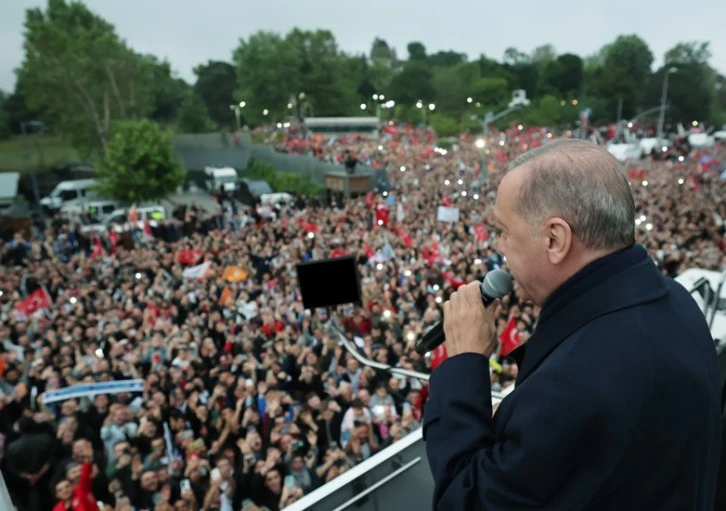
[(638, 284)]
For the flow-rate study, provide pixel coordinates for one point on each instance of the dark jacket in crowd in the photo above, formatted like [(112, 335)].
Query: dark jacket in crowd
[(617, 404)]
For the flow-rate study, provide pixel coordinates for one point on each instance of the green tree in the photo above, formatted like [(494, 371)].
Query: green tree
[(139, 164), (320, 70), (167, 90), (512, 57), (416, 51), (691, 85), (570, 75), (380, 77), (413, 83), (543, 55), (381, 53), (4, 120), (451, 92), (193, 115), (625, 69), (268, 75), (719, 110), (80, 75), (444, 125), (692, 52), (447, 59), (216, 84)]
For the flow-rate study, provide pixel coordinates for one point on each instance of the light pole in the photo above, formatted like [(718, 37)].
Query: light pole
[(236, 108), (39, 126), (663, 99), (378, 98), (420, 105), (519, 99)]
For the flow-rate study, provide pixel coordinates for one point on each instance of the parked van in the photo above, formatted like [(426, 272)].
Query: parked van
[(97, 209), (119, 219), (220, 177), (66, 191), (272, 199)]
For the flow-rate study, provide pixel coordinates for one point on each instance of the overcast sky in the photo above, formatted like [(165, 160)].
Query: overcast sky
[(188, 32)]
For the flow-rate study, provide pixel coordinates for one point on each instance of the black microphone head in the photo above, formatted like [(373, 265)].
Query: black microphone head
[(497, 283)]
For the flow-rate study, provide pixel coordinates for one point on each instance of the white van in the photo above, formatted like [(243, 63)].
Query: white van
[(224, 176), (95, 208), (119, 218), (273, 199), (66, 191)]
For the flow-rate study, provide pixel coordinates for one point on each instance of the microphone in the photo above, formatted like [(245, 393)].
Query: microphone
[(497, 284)]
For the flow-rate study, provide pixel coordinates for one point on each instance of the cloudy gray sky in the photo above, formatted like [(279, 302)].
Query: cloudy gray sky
[(188, 32)]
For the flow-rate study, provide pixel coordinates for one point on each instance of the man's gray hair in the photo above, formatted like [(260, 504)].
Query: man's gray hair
[(584, 185)]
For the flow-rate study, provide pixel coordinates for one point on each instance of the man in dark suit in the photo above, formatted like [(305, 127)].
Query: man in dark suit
[(617, 400)]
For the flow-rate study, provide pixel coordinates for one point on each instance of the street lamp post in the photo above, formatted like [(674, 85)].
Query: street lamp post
[(519, 99), (663, 99), (24, 129), (430, 106), (236, 108)]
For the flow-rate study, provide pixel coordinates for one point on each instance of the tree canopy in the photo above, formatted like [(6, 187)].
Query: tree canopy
[(79, 77), (139, 164)]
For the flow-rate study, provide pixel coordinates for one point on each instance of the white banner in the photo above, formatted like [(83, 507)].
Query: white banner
[(444, 214), (92, 389), (197, 272)]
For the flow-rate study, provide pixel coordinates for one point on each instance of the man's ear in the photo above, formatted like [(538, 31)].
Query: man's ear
[(559, 239)]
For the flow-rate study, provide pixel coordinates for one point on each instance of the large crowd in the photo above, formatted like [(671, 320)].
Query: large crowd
[(248, 400)]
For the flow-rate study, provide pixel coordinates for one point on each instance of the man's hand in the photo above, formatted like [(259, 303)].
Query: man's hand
[(468, 325)]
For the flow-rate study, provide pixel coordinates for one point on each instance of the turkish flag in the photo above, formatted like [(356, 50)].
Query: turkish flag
[(382, 215), (97, 249), (35, 301), (189, 257), (481, 232), (509, 338), (438, 356), (308, 226)]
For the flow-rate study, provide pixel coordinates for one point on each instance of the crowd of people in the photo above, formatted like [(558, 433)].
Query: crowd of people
[(249, 401)]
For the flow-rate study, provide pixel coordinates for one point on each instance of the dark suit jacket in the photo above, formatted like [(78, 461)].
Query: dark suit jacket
[(616, 406)]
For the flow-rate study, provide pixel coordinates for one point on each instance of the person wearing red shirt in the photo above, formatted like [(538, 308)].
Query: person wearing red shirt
[(79, 498)]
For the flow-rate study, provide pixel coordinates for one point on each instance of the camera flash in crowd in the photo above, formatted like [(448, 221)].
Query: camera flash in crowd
[(407, 273), (138, 276), (311, 235), (680, 181), (99, 353), (386, 314), (479, 143), (73, 300), (645, 183), (410, 336), (379, 267), (385, 194), (436, 287), (476, 196), (438, 299), (681, 158), (477, 261), (649, 227), (642, 218), (463, 194), (447, 182), (380, 222), (403, 168)]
